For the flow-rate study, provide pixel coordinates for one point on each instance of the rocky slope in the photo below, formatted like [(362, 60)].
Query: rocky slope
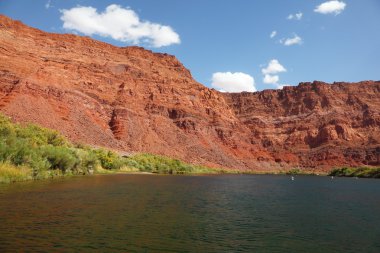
[(134, 100)]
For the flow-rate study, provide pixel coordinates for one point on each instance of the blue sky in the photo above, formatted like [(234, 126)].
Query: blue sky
[(226, 43)]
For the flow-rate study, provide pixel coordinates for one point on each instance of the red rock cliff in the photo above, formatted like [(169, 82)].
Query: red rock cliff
[(134, 100)]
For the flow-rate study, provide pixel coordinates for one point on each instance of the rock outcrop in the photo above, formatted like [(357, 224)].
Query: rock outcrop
[(131, 99)]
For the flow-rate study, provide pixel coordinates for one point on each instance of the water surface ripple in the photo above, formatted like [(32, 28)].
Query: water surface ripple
[(223, 213)]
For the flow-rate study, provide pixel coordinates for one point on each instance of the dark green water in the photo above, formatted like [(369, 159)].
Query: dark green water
[(225, 213)]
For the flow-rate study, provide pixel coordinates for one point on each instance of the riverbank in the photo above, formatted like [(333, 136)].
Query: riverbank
[(10, 173), (363, 172), (30, 152)]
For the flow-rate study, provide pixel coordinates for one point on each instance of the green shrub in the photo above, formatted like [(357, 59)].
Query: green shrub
[(45, 152), (40, 136), (10, 173), (88, 160), (33, 152), (164, 165), (110, 160), (61, 158), (294, 171), (356, 172)]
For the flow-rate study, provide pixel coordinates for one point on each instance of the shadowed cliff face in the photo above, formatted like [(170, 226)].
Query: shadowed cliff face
[(134, 100)]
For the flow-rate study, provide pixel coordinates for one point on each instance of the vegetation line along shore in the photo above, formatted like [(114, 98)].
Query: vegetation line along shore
[(364, 172), (31, 152)]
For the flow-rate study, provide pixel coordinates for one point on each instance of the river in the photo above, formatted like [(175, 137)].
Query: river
[(216, 213)]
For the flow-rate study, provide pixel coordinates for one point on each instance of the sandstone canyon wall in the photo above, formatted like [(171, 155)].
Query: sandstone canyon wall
[(133, 100)]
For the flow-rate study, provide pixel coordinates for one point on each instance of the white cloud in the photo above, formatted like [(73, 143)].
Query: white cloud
[(122, 24), (271, 79), (296, 40), (281, 86), (48, 4), (273, 67), (273, 34), (233, 82), (329, 7), (297, 16), (270, 73)]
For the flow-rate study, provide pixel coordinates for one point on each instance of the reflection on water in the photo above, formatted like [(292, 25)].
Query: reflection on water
[(224, 213)]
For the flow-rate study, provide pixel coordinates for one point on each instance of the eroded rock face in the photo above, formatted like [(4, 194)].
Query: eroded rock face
[(321, 124), (134, 100)]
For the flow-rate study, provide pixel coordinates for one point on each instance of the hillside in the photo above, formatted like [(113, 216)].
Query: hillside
[(133, 100), (30, 152)]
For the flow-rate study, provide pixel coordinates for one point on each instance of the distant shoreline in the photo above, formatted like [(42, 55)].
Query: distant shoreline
[(333, 173)]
